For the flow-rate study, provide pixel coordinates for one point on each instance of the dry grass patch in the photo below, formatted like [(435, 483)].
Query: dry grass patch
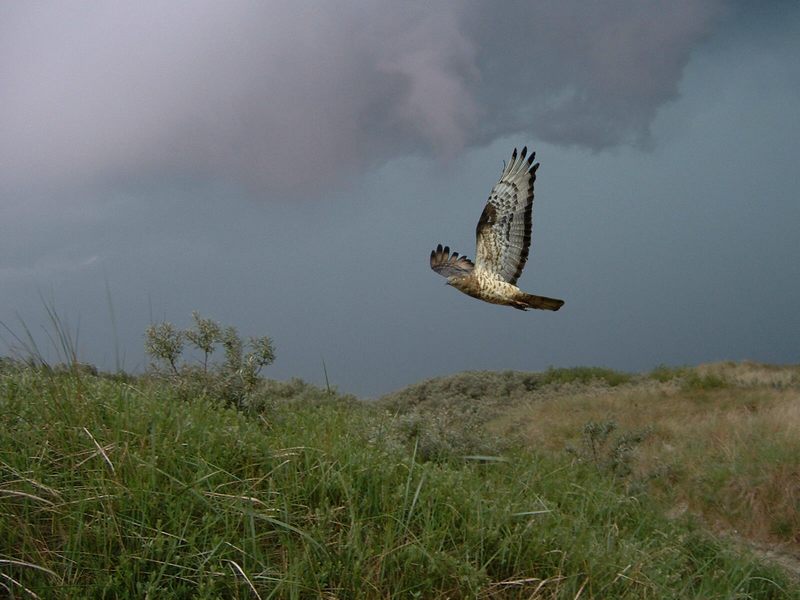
[(753, 374), (728, 450)]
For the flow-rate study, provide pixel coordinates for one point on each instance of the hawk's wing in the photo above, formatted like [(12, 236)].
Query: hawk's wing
[(504, 229), (447, 266)]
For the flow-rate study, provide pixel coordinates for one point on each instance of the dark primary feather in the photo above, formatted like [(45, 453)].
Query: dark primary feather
[(504, 228), (447, 266)]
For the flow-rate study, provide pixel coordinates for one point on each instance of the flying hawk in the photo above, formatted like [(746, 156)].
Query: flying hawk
[(504, 237)]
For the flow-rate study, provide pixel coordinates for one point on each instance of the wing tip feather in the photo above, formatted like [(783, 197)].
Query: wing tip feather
[(445, 264)]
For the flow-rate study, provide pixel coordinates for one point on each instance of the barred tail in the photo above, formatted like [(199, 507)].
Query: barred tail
[(541, 302)]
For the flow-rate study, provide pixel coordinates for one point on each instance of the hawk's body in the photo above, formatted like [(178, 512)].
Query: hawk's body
[(503, 240)]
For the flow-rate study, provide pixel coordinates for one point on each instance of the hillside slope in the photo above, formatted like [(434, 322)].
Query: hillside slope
[(135, 487), (721, 441)]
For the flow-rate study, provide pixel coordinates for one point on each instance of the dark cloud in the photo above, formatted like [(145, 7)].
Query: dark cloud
[(137, 141), (586, 73), (285, 98)]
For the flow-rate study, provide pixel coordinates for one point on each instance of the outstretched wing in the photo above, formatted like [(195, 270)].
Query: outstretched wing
[(504, 229), (447, 266)]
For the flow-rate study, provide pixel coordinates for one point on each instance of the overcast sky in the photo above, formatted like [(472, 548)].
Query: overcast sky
[(286, 167)]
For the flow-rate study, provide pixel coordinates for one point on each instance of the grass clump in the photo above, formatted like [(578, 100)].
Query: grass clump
[(694, 381), (115, 489), (607, 450)]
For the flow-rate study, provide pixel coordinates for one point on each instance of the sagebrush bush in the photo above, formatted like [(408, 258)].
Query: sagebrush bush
[(436, 436), (234, 380)]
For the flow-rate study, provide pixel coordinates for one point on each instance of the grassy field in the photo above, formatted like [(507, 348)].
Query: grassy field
[(725, 442), (720, 442), (455, 488)]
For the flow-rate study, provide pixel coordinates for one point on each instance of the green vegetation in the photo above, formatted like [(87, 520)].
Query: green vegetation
[(585, 375), (235, 380), (123, 487), (663, 373), (612, 453)]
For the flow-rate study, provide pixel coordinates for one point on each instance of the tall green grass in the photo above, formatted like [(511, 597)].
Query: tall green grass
[(117, 489)]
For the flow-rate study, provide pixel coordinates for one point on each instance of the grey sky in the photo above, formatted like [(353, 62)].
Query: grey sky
[(288, 170)]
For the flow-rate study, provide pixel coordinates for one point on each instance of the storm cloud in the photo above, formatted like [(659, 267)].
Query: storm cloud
[(286, 168), (287, 98)]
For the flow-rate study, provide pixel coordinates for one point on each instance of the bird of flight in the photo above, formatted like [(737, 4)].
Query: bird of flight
[(504, 238)]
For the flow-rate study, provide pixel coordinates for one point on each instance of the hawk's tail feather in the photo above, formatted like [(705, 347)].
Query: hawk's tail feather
[(541, 302)]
